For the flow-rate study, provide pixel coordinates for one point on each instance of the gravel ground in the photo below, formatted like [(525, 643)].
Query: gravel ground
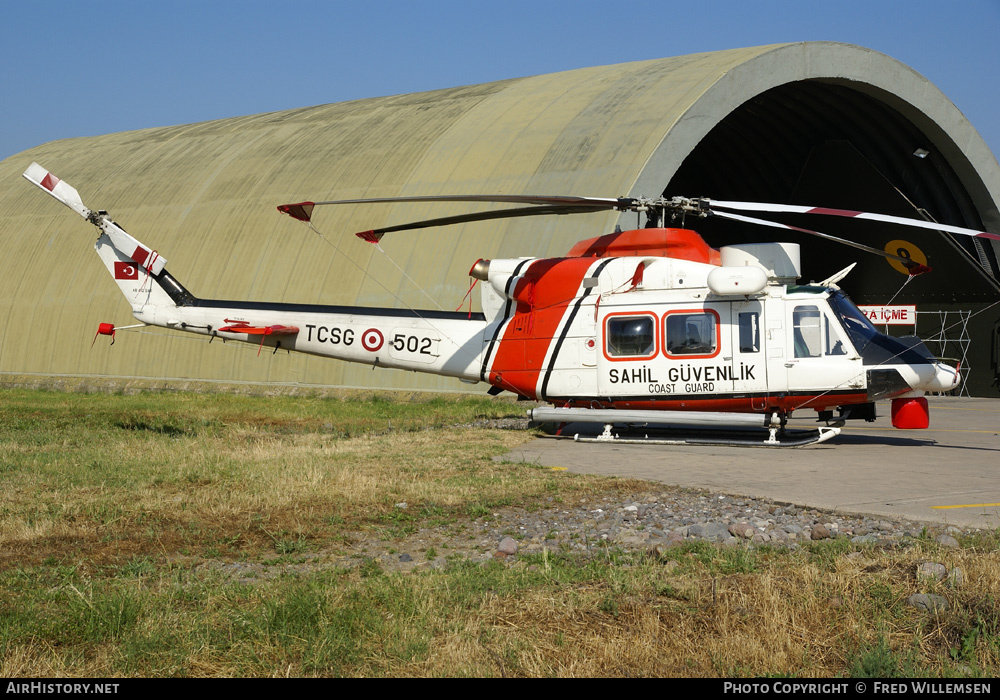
[(652, 521)]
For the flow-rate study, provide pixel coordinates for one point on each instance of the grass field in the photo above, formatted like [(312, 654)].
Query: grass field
[(122, 519)]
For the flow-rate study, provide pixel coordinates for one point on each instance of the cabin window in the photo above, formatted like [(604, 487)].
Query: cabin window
[(692, 333), (749, 332), (631, 336), (808, 337)]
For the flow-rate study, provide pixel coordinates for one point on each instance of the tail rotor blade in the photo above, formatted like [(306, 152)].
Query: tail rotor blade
[(64, 192), (120, 238)]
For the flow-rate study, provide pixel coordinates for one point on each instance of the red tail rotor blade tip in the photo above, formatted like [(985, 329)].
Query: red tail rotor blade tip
[(301, 211)]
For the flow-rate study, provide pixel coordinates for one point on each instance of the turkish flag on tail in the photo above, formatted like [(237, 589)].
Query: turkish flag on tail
[(126, 271)]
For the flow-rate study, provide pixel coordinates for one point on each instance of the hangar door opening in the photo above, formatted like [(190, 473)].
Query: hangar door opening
[(828, 144)]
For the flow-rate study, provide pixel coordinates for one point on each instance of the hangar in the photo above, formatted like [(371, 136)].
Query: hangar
[(815, 123)]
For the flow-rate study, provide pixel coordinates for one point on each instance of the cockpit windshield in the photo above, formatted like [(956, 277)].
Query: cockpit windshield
[(858, 327)]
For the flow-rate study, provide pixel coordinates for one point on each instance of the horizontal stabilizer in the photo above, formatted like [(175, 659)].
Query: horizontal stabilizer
[(243, 327)]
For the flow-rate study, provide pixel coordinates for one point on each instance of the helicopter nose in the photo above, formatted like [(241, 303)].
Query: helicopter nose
[(943, 378)]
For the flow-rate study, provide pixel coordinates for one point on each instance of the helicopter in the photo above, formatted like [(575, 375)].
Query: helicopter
[(646, 326)]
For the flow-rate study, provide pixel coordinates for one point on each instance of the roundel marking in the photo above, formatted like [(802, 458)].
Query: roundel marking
[(904, 249), (372, 339)]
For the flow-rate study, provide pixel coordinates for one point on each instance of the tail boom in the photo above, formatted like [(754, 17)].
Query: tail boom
[(432, 342)]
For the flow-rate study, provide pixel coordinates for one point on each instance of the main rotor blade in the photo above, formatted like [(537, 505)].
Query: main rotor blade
[(592, 202), (913, 267), (375, 235), (303, 210), (847, 213)]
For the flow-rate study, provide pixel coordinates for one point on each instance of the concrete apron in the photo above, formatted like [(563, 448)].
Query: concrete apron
[(948, 474)]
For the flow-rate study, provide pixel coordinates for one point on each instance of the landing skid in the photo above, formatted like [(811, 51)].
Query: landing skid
[(644, 427), (770, 437)]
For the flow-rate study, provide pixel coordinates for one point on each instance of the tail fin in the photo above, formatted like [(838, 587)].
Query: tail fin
[(142, 289)]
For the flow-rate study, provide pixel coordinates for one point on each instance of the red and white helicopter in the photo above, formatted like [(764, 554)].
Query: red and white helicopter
[(644, 326)]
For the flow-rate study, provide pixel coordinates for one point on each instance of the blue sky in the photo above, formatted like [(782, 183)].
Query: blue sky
[(92, 67)]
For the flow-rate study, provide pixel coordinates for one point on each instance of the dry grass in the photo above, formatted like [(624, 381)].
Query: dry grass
[(122, 480), (790, 619)]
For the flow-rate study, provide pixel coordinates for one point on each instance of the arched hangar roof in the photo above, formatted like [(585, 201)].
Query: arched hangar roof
[(770, 123)]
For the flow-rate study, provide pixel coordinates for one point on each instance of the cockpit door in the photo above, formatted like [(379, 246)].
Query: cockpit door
[(820, 358)]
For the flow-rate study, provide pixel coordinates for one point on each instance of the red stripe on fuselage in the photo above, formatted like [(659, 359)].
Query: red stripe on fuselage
[(727, 404), (542, 297)]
